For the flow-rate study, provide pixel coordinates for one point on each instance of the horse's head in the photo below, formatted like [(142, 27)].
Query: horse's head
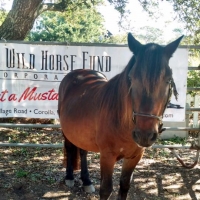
[(151, 87)]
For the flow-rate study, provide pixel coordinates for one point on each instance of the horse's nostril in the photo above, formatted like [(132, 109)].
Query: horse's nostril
[(143, 138), (135, 135), (153, 137)]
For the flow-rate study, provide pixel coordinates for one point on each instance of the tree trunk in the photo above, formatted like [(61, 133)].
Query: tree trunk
[(20, 19)]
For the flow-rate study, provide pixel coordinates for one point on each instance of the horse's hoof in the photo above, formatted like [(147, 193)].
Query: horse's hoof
[(89, 188), (69, 183)]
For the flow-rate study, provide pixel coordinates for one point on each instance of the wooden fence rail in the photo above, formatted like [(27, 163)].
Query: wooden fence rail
[(193, 124)]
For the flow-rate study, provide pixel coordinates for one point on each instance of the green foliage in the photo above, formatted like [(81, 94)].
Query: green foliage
[(119, 6), (193, 78), (115, 39), (78, 25), (187, 11), (144, 35), (150, 34), (174, 140), (3, 15)]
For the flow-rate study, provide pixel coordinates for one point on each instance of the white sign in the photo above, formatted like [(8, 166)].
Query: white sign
[(31, 74)]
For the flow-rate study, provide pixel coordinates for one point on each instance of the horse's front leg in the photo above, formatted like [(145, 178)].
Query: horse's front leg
[(107, 162), (126, 176), (87, 184)]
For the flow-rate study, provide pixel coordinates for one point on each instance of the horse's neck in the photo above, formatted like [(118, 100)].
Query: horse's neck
[(115, 99), (117, 87)]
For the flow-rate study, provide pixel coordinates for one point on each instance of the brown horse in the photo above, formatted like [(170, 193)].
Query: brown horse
[(117, 118)]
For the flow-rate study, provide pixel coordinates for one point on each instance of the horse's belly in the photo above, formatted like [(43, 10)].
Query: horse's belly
[(81, 135)]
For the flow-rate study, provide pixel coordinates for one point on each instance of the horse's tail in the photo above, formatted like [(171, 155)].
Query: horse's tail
[(75, 153)]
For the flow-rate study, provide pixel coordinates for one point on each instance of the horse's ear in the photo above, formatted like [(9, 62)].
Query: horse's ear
[(171, 47), (133, 44)]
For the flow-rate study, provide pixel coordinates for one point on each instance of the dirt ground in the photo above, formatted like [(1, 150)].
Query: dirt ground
[(37, 173)]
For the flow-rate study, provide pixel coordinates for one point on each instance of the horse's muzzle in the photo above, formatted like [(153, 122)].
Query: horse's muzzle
[(144, 138)]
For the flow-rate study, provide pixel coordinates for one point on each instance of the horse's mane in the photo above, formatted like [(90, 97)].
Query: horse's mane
[(148, 67), (116, 102)]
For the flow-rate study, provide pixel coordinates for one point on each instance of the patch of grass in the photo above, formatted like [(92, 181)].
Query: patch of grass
[(59, 152), (151, 154), (35, 176), (24, 133), (163, 153), (97, 156), (21, 173), (13, 140), (20, 152), (51, 180), (24, 151)]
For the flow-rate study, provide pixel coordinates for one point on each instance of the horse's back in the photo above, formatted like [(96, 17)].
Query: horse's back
[(79, 80)]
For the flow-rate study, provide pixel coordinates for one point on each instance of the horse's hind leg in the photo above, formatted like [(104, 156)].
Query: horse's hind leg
[(70, 151), (87, 184)]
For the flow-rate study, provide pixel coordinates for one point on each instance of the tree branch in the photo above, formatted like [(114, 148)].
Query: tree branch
[(61, 7)]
